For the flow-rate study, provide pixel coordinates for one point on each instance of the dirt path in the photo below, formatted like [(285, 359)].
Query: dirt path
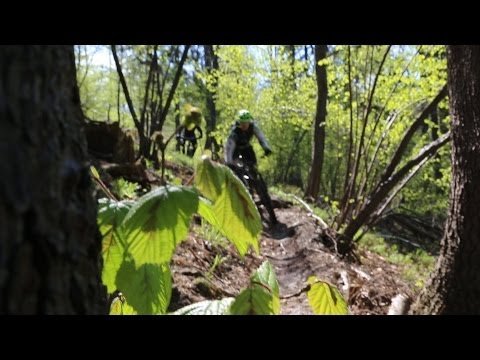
[(369, 287)]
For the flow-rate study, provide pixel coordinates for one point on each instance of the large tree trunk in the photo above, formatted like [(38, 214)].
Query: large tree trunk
[(455, 284), (313, 186), (50, 261)]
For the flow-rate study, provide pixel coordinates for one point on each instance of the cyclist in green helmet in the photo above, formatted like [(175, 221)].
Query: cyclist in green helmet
[(240, 157), (238, 142)]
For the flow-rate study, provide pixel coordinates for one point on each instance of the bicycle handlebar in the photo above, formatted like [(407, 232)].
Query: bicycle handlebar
[(187, 138)]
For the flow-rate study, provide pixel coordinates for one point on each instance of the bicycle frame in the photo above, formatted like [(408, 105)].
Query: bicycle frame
[(254, 182), (186, 145)]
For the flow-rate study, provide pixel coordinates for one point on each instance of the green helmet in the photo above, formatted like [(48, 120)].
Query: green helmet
[(244, 116)]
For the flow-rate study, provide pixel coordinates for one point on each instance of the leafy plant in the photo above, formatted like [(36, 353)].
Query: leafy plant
[(217, 261), (124, 189), (325, 299), (229, 207), (139, 237), (261, 297)]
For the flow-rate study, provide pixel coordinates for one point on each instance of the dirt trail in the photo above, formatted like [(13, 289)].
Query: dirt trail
[(369, 287)]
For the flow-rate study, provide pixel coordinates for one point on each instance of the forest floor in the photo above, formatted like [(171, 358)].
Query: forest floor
[(369, 286), (206, 266)]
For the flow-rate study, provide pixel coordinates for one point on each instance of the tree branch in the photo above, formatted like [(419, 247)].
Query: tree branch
[(125, 88), (383, 188)]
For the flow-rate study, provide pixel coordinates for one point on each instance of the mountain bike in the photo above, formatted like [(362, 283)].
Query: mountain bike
[(187, 145), (253, 180)]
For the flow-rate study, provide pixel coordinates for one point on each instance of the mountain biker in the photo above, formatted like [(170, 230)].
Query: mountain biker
[(238, 142), (191, 123)]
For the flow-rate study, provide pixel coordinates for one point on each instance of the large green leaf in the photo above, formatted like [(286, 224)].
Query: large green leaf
[(207, 307), (109, 219), (209, 178), (235, 213), (205, 209), (325, 299), (147, 288), (158, 222), (261, 297)]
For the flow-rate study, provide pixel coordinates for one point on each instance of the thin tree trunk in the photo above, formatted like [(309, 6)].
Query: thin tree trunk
[(50, 261), (142, 138), (410, 132), (118, 104), (350, 134), (313, 187), (211, 63), (351, 191), (384, 188), (455, 284), (176, 79)]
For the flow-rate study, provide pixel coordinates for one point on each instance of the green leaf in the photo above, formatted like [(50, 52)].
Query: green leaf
[(233, 211), (325, 299), (261, 297), (158, 222), (266, 275), (147, 288), (209, 178), (205, 209), (255, 300), (109, 219), (207, 307)]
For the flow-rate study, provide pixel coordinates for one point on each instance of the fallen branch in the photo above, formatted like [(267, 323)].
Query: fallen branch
[(298, 293), (322, 223), (361, 273), (401, 239)]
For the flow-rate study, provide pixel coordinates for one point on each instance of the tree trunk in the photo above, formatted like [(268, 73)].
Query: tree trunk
[(314, 177), (50, 261), (211, 63), (454, 287)]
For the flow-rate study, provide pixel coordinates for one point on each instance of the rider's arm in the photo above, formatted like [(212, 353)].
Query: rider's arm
[(201, 132), (229, 149), (261, 138)]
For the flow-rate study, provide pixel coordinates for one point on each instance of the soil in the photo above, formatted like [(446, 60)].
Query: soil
[(296, 255), (369, 286)]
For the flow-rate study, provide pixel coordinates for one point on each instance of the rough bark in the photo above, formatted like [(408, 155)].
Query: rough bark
[(454, 287), (50, 246)]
